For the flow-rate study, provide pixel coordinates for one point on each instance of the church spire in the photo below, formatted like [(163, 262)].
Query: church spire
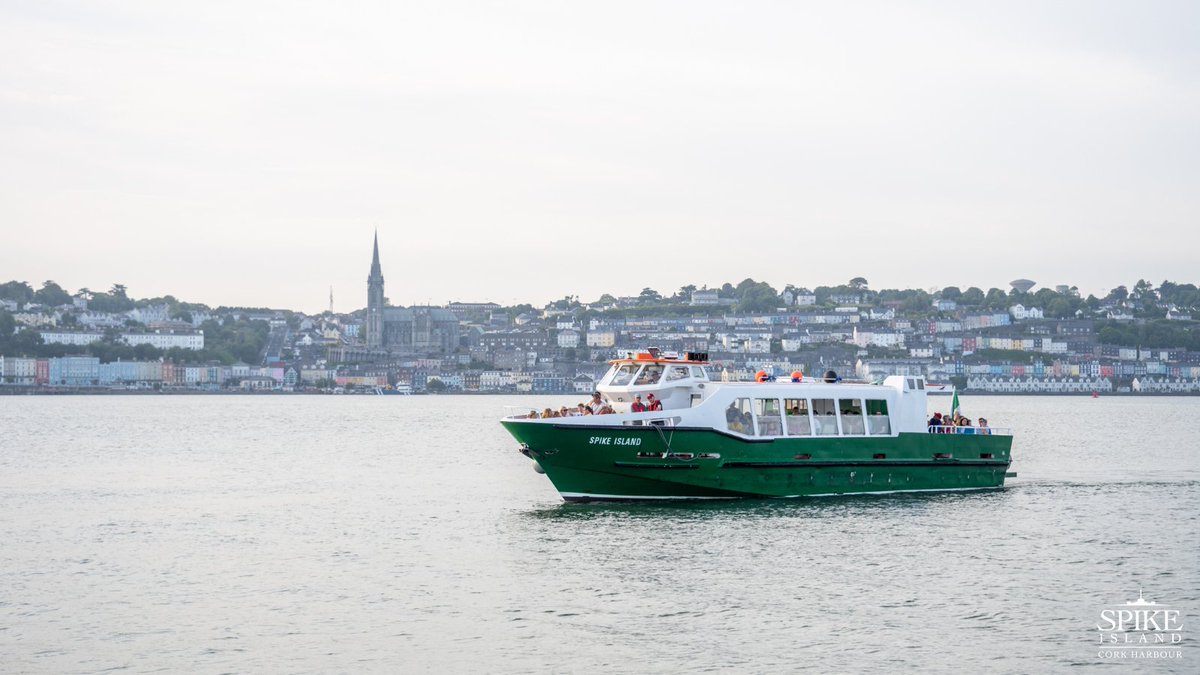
[(375, 271), (375, 300)]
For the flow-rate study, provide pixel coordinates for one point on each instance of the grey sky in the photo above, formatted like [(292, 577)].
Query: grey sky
[(242, 153)]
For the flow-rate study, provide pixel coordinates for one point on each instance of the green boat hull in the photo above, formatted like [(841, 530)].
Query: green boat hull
[(587, 463)]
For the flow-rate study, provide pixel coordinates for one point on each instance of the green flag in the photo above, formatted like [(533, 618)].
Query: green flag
[(954, 404)]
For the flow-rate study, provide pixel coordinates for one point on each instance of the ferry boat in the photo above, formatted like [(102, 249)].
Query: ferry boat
[(775, 437)]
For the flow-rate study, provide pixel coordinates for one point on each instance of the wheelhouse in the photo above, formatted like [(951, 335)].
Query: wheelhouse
[(676, 381)]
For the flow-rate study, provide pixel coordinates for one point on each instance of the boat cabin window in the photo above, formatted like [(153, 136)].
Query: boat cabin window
[(769, 422), (698, 373), (796, 415), (877, 418), (737, 417), (624, 375), (852, 417), (677, 373), (824, 417), (650, 374)]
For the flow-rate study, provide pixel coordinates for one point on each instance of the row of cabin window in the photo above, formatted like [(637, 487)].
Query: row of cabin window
[(651, 373), (807, 417)]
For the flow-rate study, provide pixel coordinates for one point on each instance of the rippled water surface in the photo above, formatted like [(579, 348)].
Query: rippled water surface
[(306, 534)]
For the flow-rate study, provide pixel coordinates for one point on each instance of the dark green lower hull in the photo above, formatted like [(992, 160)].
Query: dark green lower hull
[(629, 463)]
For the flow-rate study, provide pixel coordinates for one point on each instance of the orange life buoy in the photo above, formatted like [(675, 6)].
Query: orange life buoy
[(797, 376), (761, 376)]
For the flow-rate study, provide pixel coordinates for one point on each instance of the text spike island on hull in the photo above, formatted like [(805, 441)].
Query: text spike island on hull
[(795, 438)]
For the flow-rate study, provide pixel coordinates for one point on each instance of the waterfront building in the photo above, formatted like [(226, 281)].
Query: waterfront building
[(18, 370), (74, 371)]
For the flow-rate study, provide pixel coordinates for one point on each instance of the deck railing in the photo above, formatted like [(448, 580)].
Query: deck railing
[(971, 431)]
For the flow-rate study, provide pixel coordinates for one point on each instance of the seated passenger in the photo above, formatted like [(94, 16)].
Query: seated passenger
[(983, 427), (731, 413), (607, 410), (596, 403), (547, 414), (637, 405), (653, 403)]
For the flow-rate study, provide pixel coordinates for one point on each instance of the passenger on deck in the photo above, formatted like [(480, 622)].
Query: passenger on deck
[(583, 409), (547, 414), (935, 422), (562, 412), (532, 415), (607, 410), (653, 403), (637, 405), (596, 403), (983, 426)]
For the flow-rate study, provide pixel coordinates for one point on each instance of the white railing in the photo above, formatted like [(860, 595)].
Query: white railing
[(971, 431), (521, 412)]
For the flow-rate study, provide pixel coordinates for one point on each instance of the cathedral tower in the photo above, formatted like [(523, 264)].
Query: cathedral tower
[(374, 323)]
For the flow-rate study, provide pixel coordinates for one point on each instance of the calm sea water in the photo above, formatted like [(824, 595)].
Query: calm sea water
[(314, 534)]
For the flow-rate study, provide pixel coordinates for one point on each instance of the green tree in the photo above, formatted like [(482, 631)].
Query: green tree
[(756, 296), (649, 296), (52, 295), (996, 299), (684, 294), (1060, 308), (951, 293), (858, 284), (17, 291), (1119, 294), (27, 342), (972, 296)]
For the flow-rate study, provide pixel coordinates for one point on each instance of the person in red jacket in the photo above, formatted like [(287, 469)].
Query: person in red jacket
[(637, 405), (653, 403)]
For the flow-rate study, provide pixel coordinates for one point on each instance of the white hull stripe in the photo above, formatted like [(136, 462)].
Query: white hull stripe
[(588, 495)]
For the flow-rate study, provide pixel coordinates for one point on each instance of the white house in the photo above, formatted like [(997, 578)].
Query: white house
[(568, 339), (1021, 313)]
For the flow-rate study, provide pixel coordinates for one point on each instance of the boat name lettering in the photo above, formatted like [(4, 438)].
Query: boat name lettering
[(608, 440)]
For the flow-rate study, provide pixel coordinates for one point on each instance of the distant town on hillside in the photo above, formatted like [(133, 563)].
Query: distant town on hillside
[(1023, 339)]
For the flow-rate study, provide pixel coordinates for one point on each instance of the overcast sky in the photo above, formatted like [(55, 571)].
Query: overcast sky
[(244, 152)]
